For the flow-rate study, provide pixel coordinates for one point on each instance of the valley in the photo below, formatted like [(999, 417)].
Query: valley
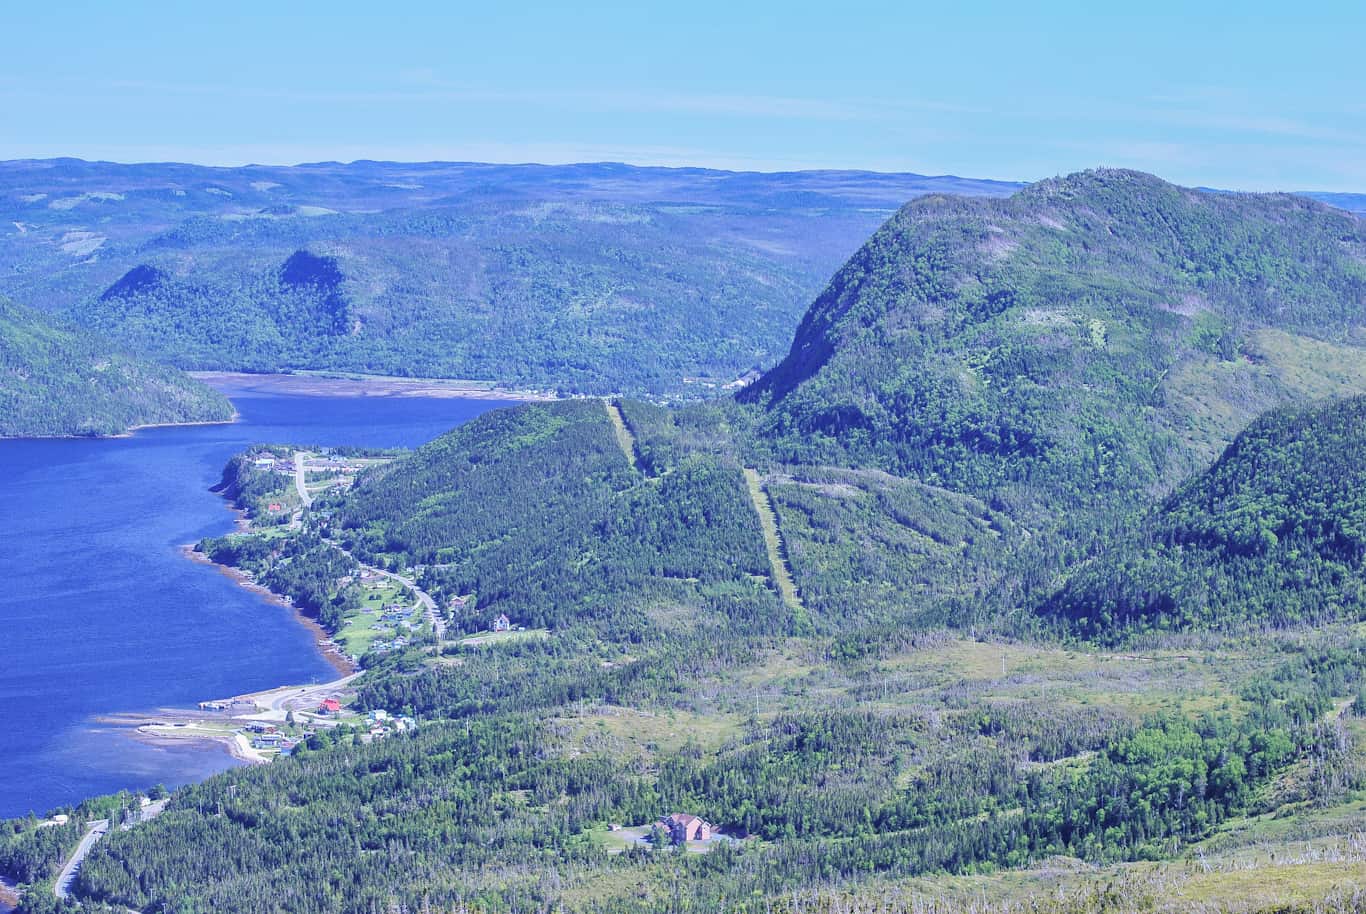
[(706, 458)]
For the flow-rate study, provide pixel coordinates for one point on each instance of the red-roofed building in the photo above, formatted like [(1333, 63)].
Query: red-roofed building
[(329, 706)]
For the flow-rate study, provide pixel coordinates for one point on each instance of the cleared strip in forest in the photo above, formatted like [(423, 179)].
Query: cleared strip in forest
[(773, 541), (625, 439)]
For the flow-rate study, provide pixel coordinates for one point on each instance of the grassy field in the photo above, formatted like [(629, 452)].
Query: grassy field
[(366, 626), (483, 638)]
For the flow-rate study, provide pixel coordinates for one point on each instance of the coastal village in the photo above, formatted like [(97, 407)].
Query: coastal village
[(262, 726), (388, 611)]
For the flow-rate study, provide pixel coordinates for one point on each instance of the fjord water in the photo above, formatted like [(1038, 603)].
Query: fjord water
[(100, 613)]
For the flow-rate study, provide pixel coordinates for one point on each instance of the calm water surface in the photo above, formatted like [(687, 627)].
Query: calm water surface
[(99, 612)]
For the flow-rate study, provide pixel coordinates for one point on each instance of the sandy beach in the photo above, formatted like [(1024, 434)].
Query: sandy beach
[(166, 732), (336, 385)]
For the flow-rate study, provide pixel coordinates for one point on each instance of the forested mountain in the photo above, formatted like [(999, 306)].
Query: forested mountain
[(1101, 334), (1274, 533), (589, 278), (809, 617), (58, 381), (667, 671)]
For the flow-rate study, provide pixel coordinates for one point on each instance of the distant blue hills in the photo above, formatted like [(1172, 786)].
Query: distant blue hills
[(590, 278)]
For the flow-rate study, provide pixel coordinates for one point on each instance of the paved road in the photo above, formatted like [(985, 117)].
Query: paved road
[(299, 698), (62, 887), (301, 479)]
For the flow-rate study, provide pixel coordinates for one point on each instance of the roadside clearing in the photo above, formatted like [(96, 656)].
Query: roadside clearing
[(62, 887), (773, 543)]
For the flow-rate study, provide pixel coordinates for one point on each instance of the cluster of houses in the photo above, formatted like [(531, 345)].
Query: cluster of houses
[(332, 464), (273, 464), (397, 614), (382, 723), (268, 736), (379, 722), (384, 647)]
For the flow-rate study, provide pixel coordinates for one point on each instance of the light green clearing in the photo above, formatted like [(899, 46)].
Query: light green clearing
[(768, 521), (359, 632), (625, 439), (483, 638)]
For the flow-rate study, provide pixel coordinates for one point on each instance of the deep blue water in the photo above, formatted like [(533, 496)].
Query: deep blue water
[(100, 613)]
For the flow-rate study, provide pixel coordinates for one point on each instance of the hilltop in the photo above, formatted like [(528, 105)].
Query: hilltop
[(1101, 334), (61, 381)]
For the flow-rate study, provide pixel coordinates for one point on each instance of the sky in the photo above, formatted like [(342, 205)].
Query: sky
[(1257, 96)]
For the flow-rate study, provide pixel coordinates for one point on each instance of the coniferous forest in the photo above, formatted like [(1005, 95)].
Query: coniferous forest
[(1031, 579)]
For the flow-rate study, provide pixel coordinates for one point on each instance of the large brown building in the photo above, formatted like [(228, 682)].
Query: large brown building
[(683, 827)]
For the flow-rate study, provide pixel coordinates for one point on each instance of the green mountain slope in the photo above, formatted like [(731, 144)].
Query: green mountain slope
[(1100, 334), (1274, 533), (65, 382), (665, 673), (984, 394)]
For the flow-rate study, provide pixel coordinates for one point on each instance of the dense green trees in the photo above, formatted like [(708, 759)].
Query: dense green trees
[(56, 381), (1273, 534), (1068, 344)]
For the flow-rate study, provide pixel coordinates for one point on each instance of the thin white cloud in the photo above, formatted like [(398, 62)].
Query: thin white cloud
[(610, 99)]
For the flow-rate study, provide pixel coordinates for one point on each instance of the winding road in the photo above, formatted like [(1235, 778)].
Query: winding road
[(424, 599)]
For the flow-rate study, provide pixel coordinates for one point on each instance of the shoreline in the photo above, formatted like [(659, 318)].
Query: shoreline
[(222, 730), (134, 429), (163, 733), (126, 433), (322, 641), (340, 384)]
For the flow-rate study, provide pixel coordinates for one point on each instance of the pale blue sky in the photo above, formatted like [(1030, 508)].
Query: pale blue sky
[(1261, 96)]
